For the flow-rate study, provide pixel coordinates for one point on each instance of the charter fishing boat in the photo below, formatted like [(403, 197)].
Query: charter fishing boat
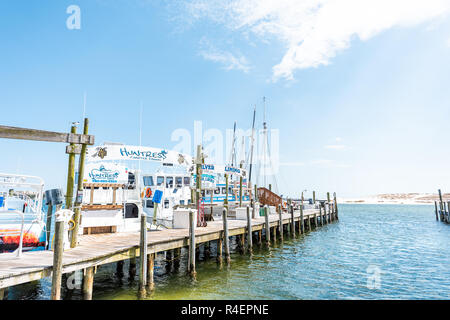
[(115, 192), (22, 226)]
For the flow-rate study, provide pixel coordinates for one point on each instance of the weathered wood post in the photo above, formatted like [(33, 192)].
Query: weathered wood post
[(440, 205), (219, 248), (266, 216), (249, 232), (143, 254), (88, 283), (254, 210), (71, 172), (225, 201), (151, 271), (321, 216), (132, 268), (335, 206), (78, 201), (436, 210), (2, 293), (226, 238), (302, 221), (280, 222), (192, 223), (448, 212), (329, 208), (314, 197), (57, 257), (119, 269), (292, 220)]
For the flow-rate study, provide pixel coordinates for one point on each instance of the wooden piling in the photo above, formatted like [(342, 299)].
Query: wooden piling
[(219, 249), (436, 210), (119, 269), (57, 258), (226, 239), (77, 209), (191, 264), (302, 221), (249, 232), (314, 197), (150, 272), (2, 293), (132, 268), (335, 206), (321, 216), (260, 237), (88, 283), (266, 216), (280, 222), (143, 255), (292, 221)]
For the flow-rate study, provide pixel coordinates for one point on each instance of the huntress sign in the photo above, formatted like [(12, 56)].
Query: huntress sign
[(122, 152)]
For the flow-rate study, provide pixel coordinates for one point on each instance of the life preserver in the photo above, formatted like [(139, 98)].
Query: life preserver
[(148, 192)]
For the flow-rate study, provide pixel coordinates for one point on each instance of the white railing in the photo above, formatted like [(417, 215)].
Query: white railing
[(12, 233)]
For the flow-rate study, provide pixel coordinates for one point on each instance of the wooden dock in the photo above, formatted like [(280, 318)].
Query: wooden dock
[(100, 249)]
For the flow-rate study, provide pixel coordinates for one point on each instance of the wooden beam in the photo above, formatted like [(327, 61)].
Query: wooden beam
[(42, 135)]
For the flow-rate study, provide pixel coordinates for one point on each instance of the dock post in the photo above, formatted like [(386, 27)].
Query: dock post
[(321, 216), (2, 293), (242, 243), (132, 268), (253, 209), (309, 223), (77, 209), (219, 248), (226, 239), (314, 197), (119, 269), (143, 254), (280, 222), (260, 237), (335, 206), (191, 265), (57, 258), (150, 271), (249, 232), (448, 213), (266, 216), (436, 210), (302, 221), (88, 283), (292, 221)]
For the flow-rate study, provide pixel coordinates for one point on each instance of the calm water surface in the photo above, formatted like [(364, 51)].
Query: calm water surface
[(373, 252)]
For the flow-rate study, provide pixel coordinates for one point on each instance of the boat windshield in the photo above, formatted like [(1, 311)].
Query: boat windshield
[(160, 181), (148, 181)]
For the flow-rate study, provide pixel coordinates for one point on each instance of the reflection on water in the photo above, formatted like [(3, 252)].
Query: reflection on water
[(373, 252)]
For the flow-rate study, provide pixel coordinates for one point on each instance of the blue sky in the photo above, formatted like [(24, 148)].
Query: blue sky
[(365, 113)]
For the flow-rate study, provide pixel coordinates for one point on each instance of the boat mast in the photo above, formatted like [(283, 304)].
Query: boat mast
[(251, 150), (264, 141)]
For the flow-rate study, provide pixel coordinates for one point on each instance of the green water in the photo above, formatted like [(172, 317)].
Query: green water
[(373, 252)]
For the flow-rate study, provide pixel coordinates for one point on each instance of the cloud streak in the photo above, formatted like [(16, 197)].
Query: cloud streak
[(313, 31)]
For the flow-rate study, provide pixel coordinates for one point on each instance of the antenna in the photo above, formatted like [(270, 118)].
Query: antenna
[(84, 106), (140, 130)]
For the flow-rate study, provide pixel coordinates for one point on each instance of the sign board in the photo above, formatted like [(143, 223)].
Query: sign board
[(221, 169), (123, 152), (157, 196), (105, 173)]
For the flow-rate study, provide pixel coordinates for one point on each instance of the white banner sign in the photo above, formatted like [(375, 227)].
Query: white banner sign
[(221, 169), (122, 152)]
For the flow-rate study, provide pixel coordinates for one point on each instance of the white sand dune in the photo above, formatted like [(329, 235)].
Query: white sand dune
[(397, 198)]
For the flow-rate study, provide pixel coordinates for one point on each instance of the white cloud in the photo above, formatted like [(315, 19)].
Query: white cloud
[(226, 58), (335, 146), (314, 31)]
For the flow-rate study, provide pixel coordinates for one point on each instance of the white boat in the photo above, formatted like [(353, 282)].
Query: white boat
[(22, 226), (115, 193)]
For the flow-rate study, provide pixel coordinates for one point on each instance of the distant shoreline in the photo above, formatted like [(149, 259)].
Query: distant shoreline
[(396, 198)]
